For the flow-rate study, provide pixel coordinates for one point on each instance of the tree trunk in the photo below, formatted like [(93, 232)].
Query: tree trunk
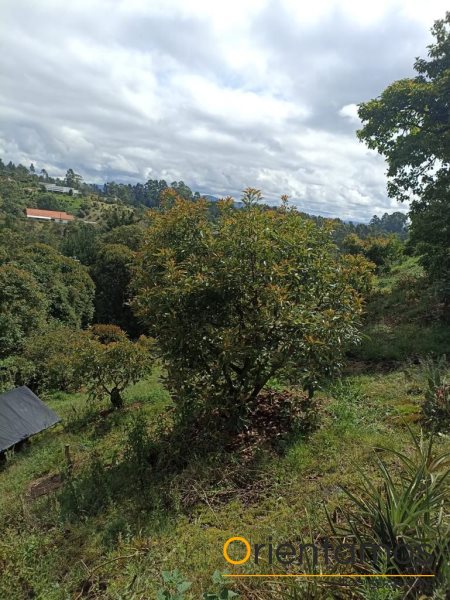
[(116, 398)]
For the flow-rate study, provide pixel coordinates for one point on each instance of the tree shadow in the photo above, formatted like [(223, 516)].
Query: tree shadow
[(186, 464)]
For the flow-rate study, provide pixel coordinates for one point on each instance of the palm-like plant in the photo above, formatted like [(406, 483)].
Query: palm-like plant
[(406, 512)]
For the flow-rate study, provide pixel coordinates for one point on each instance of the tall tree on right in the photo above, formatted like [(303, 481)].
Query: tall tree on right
[(409, 123)]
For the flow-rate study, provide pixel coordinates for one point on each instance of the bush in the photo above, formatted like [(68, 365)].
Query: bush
[(54, 352), (15, 371), (233, 301), (139, 449), (86, 495), (109, 362), (382, 251)]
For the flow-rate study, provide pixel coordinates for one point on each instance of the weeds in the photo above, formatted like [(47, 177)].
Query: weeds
[(436, 408), (139, 449), (176, 587), (346, 407), (86, 495)]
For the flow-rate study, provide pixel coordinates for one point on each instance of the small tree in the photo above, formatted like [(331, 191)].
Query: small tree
[(110, 362), (233, 301)]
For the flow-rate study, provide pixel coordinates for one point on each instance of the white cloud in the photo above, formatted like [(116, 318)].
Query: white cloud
[(350, 112), (222, 95)]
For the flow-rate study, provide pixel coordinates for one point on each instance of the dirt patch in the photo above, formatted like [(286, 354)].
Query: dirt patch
[(44, 485)]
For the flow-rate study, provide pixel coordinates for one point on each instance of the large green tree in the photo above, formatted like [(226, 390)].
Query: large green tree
[(409, 124), (112, 274), (73, 179), (65, 282), (234, 301), (39, 286), (23, 307)]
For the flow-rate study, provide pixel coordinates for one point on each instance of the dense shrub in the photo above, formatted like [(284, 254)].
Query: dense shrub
[(15, 371), (234, 301), (382, 251), (23, 307), (54, 353)]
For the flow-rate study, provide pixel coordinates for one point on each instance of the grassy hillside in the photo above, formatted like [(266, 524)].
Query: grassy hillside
[(403, 317), (109, 534)]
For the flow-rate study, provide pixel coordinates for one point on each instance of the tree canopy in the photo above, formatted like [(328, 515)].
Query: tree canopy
[(409, 124)]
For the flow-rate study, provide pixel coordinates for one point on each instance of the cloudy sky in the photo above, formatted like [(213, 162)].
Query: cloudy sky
[(223, 95)]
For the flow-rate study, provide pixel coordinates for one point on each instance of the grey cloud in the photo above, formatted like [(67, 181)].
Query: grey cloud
[(335, 62), (104, 92)]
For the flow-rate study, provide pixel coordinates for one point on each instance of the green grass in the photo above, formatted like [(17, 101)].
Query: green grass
[(403, 317), (181, 519)]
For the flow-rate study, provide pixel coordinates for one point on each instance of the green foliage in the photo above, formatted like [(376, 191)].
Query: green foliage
[(408, 509), (102, 359), (131, 236), (386, 342), (13, 197), (346, 409), (54, 353), (175, 586), (403, 317), (39, 286), (80, 242), (112, 274), (109, 362), (436, 408), (64, 281), (379, 590), (409, 125), (138, 449), (73, 179), (382, 251), (234, 301), (117, 529), (117, 216), (78, 417), (52, 201), (395, 223), (430, 234), (23, 307), (221, 589), (15, 371), (85, 495)]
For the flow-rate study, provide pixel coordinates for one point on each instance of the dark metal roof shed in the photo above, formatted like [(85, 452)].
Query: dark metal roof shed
[(22, 414)]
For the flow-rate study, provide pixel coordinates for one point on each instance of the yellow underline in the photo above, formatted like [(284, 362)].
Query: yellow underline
[(319, 575)]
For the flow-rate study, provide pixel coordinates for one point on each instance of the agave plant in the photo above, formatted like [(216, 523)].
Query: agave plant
[(407, 512)]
